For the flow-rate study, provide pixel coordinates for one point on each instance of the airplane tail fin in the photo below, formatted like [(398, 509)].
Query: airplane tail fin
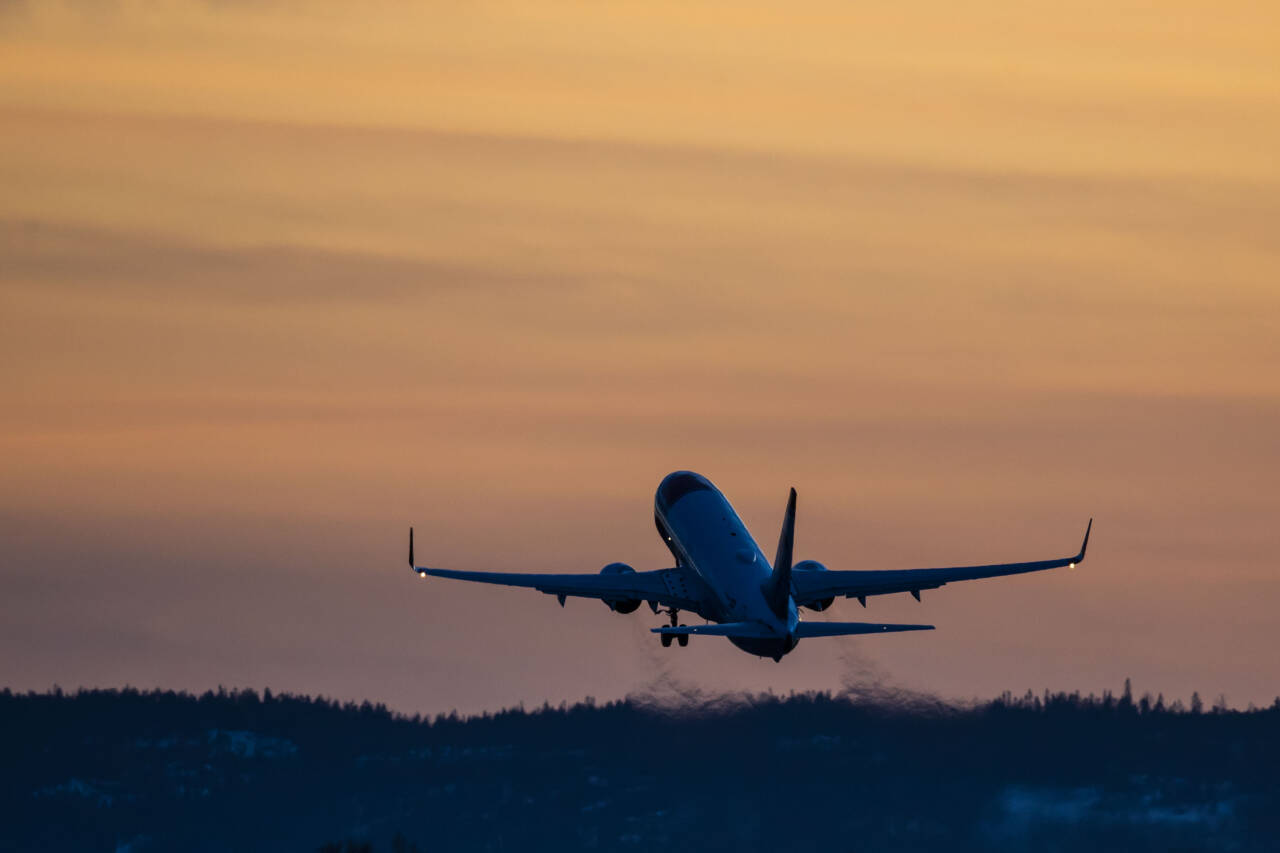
[(777, 589)]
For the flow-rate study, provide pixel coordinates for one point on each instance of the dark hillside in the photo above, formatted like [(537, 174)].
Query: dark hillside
[(127, 770)]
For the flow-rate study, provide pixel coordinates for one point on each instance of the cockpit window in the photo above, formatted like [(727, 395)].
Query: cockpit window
[(677, 486)]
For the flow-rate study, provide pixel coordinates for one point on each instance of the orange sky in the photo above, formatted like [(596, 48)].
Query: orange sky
[(278, 280)]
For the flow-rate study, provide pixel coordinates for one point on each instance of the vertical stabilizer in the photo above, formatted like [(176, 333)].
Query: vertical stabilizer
[(777, 589)]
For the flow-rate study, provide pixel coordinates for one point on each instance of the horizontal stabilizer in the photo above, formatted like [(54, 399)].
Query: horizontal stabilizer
[(728, 629), (840, 629), (803, 629)]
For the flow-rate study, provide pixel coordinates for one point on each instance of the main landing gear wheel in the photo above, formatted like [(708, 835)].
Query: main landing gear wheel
[(666, 638)]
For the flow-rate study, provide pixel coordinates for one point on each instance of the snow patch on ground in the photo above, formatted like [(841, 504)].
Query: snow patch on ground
[(245, 744), (1023, 808)]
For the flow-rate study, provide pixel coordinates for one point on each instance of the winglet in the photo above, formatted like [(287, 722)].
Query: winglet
[(411, 547), (1085, 544)]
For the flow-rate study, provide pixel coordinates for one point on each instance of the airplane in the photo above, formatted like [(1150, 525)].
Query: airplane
[(722, 575)]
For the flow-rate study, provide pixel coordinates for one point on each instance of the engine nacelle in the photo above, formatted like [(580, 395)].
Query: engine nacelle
[(814, 566), (624, 605)]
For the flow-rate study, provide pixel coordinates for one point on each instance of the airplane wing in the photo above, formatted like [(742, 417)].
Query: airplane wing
[(814, 586), (677, 587)]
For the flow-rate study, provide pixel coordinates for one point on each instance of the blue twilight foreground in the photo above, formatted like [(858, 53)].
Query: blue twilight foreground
[(722, 575)]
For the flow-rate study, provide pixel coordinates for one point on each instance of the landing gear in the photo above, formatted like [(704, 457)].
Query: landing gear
[(682, 639)]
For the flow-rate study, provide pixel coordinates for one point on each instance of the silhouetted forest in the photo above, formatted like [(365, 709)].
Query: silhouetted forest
[(124, 770)]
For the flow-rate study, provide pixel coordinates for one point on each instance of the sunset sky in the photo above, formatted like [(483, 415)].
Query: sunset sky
[(278, 280)]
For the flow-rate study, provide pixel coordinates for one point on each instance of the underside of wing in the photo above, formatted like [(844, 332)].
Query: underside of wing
[(811, 587)]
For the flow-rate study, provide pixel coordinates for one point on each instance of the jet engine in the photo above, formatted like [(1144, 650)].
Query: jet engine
[(814, 566), (624, 605)]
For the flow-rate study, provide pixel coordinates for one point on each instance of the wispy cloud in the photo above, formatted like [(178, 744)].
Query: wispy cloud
[(499, 266), (91, 262)]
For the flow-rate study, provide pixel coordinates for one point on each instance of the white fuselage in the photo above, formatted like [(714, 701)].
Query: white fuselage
[(706, 535)]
